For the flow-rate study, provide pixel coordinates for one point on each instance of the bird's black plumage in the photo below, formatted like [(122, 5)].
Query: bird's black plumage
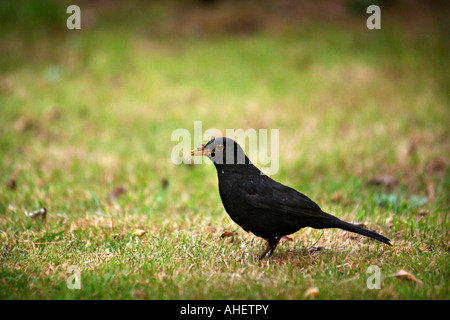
[(262, 205)]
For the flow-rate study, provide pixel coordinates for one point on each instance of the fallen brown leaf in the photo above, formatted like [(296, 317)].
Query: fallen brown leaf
[(403, 274), (312, 292), (227, 234), (139, 232)]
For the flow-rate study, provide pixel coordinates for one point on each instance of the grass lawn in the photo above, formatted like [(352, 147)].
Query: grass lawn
[(86, 119)]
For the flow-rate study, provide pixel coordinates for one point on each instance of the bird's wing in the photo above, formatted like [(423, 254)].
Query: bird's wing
[(268, 194)]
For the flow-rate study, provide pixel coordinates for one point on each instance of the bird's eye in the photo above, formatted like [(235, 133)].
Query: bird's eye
[(219, 147)]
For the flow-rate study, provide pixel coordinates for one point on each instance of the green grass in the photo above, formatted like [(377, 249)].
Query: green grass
[(85, 112)]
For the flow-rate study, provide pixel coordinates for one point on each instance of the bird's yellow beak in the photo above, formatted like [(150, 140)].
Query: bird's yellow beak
[(200, 151)]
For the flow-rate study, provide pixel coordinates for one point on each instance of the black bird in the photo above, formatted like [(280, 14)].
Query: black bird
[(261, 205)]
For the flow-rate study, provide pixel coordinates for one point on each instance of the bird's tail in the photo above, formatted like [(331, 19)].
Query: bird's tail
[(334, 222)]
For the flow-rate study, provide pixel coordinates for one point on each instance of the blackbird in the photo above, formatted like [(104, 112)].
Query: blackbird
[(261, 205)]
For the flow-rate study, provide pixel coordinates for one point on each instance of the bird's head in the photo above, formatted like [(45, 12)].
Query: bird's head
[(222, 151)]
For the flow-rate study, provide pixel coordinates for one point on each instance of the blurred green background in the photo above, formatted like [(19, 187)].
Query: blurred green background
[(86, 112)]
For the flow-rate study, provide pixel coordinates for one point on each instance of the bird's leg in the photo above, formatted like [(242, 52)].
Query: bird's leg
[(264, 252), (272, 244), (273, 247)]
